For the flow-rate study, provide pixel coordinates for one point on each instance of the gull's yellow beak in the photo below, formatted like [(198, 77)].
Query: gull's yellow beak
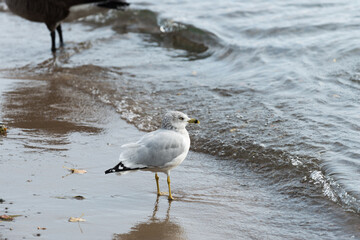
[(193, 120)]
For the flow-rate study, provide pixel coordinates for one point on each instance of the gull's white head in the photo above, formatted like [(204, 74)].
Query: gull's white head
[(175, 120)]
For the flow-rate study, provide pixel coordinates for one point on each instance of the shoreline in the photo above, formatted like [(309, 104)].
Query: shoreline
[(52, 126), (35, 183), (280, 165)]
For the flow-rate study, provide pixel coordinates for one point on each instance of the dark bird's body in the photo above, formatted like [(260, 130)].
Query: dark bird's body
[(52, 12)]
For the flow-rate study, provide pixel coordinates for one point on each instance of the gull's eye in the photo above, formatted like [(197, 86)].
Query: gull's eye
[(181, 118)]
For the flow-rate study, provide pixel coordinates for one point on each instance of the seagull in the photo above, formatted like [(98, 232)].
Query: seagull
[(52, 12), (158, 151)]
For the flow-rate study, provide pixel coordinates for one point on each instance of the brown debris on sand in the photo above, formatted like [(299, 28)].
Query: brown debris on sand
[(78, 171)]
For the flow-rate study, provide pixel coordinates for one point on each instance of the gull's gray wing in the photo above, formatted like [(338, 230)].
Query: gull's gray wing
[(155, 149)]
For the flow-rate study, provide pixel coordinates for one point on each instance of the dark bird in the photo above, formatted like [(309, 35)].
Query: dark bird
[(52, 12)]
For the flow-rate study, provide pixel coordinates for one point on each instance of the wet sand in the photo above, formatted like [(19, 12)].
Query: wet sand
[(66, 110), (52, 126)]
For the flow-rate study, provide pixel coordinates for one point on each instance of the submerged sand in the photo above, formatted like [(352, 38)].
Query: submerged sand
[(52, 128)]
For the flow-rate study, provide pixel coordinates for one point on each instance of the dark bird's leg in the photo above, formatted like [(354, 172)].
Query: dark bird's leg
[(52, 34), (59, 30)]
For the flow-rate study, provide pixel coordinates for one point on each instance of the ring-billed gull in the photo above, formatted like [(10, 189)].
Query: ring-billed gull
[(158, 151)]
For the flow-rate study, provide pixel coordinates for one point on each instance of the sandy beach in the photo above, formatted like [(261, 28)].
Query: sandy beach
[(54, 134), (276, 154), (45, 134), (52, 127)]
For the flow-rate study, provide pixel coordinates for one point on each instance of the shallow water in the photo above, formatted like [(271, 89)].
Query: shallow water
[(214, 198), (275, 86)]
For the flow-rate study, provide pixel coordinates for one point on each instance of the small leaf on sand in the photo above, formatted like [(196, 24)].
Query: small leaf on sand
[(80, 171), (8, 217), (60, 197), (76, 219), (3, 129), (79, 197), (73, 170)]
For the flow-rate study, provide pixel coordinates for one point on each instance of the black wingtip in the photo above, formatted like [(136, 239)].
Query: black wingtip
[(118, 168), (121, 168), (111, 170)]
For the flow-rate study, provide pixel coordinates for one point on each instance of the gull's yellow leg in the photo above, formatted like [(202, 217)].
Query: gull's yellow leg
[(157, 184), (158, 187), (168, 181)]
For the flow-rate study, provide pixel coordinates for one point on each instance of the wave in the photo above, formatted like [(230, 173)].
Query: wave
[(164, 32), (227, 131), (294, 174)]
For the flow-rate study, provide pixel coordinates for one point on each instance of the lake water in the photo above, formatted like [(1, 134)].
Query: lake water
[(275, 85)]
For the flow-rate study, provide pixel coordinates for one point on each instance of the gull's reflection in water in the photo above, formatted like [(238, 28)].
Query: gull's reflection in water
[(155, 228)]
